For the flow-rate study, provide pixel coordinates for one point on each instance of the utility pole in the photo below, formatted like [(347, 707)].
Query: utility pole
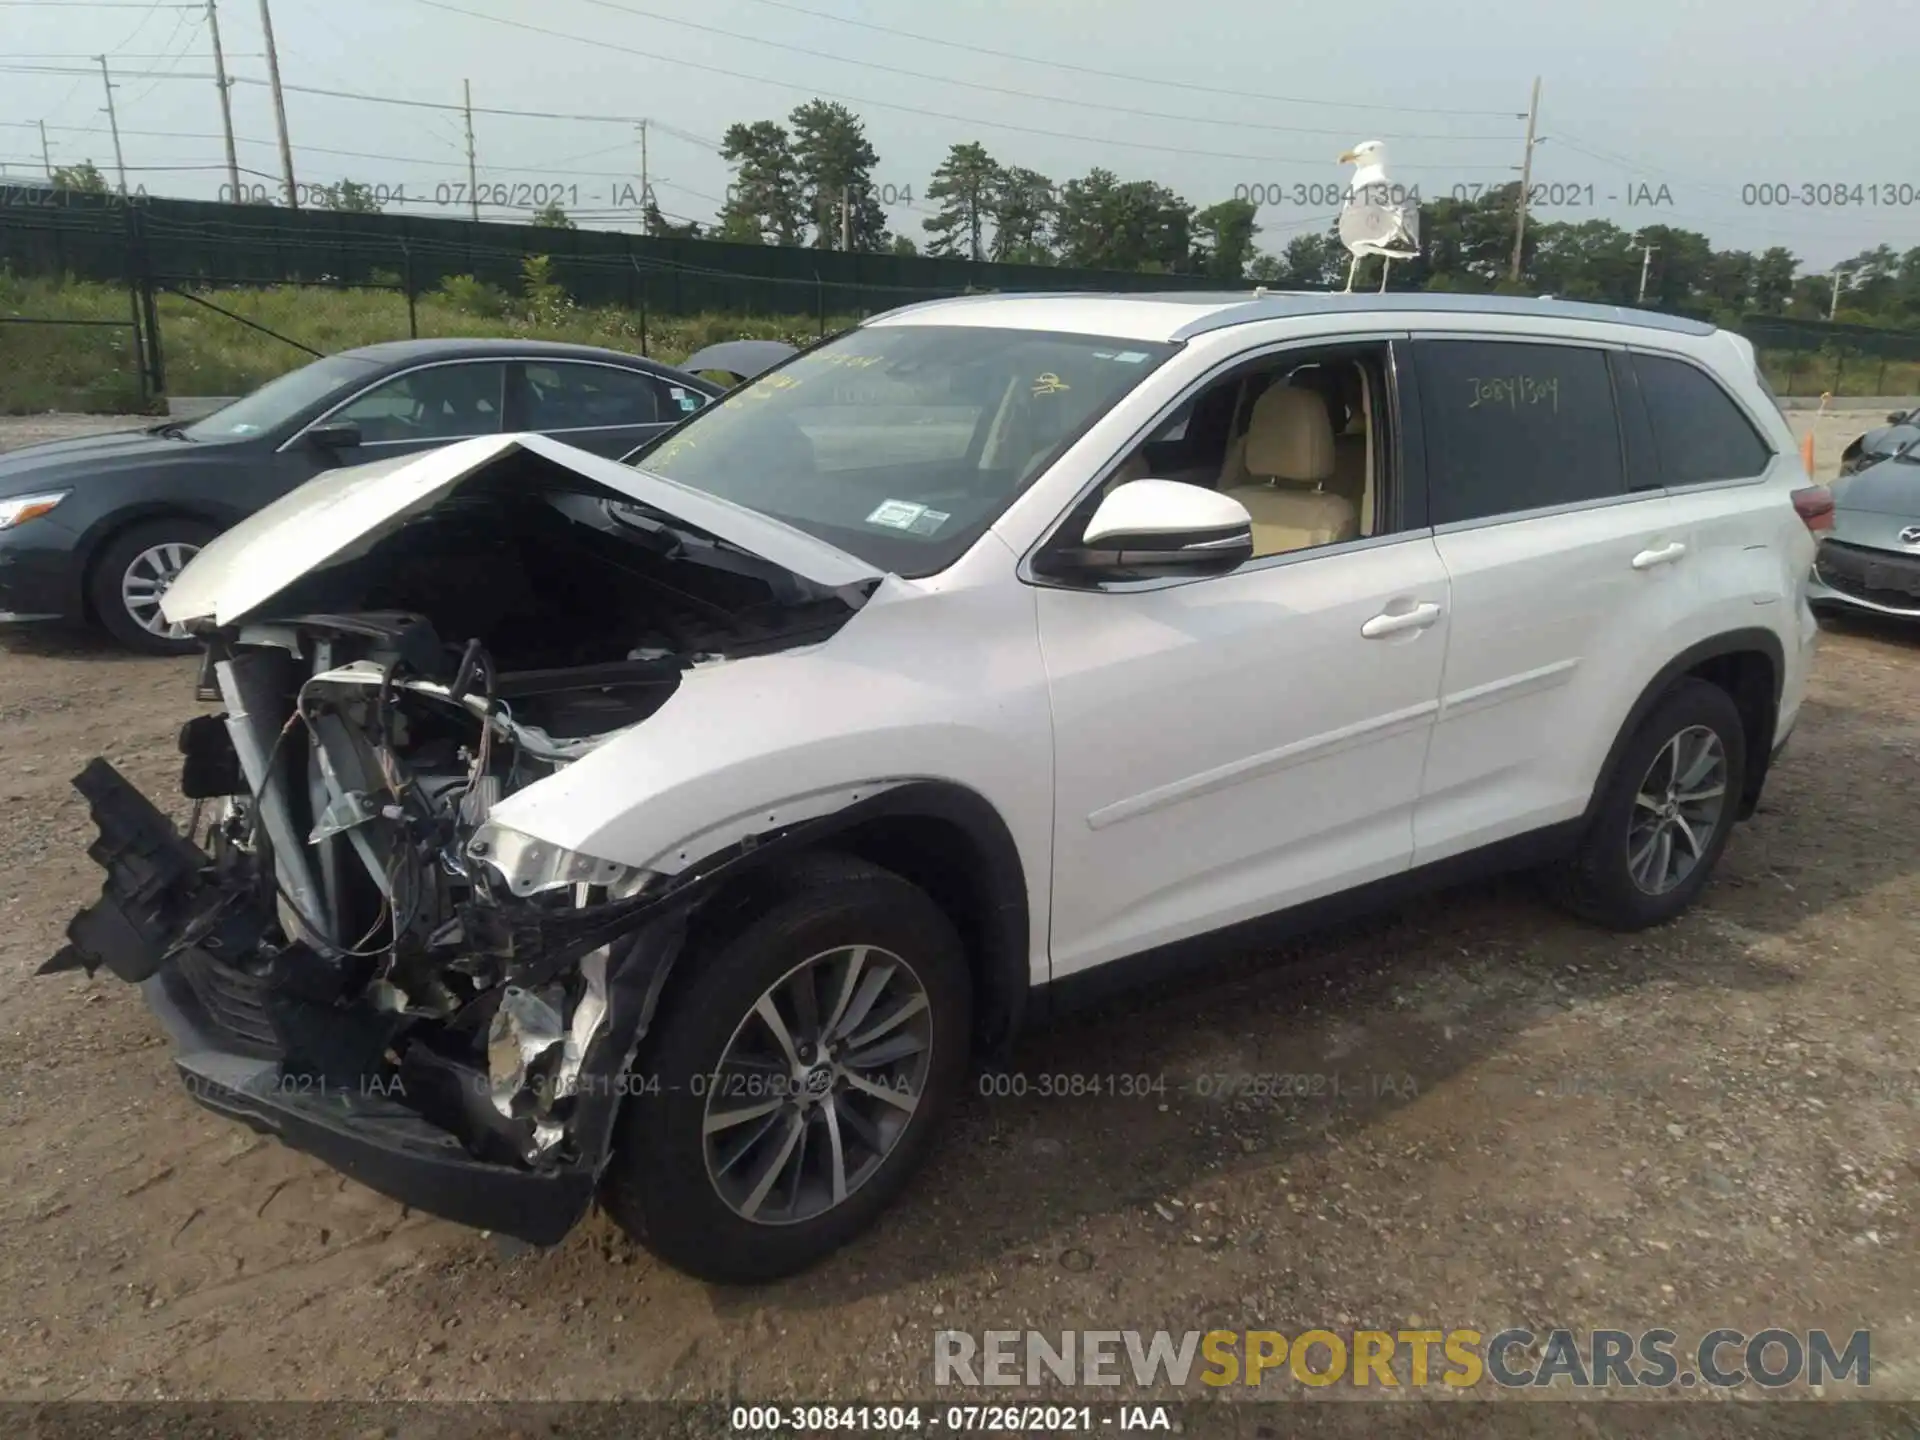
[(1833, 306), (1646, 263), (473, 168), (846, 217), (646, 186), (1526, 182), (113, 120), (279, 107), (46, 155), (226, 103)]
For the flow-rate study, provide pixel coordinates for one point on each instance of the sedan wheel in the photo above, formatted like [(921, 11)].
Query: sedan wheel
[(131, 576), (147, 578)]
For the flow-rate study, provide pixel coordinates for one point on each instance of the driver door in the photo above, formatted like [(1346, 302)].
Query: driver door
[(1230, 746), (417, 410)]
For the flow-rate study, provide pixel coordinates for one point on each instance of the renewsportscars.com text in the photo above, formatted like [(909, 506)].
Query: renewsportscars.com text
[(1460, 1358)]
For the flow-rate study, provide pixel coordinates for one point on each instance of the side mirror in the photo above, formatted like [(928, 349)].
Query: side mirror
[(334, 435), (1164, 527)]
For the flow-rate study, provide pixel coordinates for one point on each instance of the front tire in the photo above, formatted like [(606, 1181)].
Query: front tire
[(1665, 817), (801, 1076), (132, 573)]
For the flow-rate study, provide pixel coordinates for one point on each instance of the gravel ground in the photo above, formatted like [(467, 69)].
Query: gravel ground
[(1520, 1121)]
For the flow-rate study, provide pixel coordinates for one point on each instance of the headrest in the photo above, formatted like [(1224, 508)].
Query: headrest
[(1289, 436)]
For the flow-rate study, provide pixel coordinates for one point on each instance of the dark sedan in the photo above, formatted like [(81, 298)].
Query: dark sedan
[(96, 528), (1900, 431)]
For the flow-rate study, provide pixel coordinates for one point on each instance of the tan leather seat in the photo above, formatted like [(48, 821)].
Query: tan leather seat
[(1290, 455)]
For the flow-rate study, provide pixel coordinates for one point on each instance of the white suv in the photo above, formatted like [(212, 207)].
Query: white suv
[(677, 832)]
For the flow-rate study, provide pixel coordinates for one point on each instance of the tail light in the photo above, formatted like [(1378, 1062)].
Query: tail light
[(1814, 505)]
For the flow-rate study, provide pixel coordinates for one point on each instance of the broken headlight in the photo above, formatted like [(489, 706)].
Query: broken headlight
[(530, 866)]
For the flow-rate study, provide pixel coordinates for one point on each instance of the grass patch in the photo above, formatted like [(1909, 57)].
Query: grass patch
[(59, 367)]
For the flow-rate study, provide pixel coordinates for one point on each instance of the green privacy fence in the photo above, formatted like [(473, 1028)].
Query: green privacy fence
[(101, 237), (196, 248)]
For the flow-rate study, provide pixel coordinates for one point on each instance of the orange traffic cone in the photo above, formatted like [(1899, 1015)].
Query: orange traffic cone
[(1806, 445)]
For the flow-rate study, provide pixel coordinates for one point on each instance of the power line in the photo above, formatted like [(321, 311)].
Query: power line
[(681, 22), (1152, 81), (972, 120)]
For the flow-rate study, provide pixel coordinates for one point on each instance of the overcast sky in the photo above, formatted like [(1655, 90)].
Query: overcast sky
[(1703, 97)]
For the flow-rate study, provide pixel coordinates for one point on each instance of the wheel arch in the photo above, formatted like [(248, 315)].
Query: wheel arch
[(946, 839), (1750, 665)]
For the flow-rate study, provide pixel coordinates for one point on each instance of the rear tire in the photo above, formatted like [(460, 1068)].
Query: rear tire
[(133, 571), (748, 1154), (1665, 816)]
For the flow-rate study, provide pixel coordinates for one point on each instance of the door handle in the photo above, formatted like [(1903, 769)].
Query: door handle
[(1665, 555), (1418, 618)]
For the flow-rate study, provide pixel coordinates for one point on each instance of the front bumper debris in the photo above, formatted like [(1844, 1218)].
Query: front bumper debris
[(340, 1081)]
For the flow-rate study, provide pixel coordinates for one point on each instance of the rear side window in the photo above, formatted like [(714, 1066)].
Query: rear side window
[(1514, 426), (1698, 429)]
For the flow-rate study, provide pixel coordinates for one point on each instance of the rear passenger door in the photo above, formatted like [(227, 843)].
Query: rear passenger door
[(1564, 563), (603, 408), (1716, 464)]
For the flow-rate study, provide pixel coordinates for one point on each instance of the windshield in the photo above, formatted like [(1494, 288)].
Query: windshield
[(901, 444), (278, 401)]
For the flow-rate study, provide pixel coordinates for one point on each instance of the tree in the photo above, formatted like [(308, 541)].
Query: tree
[(1223, 238), (1106, 224), (764, 202), (552, 217), (1313, 262), (1023, 206), (903, 245), (349, 197), (964, 186), (654, 223), (1773, 279), (835, 164), (84, 177)]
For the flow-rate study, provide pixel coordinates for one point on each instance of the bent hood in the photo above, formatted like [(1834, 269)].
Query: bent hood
[(341, 514)]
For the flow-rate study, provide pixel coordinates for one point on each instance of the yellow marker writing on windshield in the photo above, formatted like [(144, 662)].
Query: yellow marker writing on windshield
[(1050, 384)]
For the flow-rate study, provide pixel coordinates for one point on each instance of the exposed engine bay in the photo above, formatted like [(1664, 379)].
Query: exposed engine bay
[(342, 905)]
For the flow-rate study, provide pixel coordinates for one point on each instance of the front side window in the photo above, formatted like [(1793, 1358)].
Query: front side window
[(1698, 430), (901, 443), (1514, 426), (281, 400), (440, 402), (564, 396)]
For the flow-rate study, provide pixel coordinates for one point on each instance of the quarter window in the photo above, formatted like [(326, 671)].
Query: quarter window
[(1513, 426), (1698, 430)]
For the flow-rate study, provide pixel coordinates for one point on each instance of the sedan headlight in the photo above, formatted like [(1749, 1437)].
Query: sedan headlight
[(18, 509)]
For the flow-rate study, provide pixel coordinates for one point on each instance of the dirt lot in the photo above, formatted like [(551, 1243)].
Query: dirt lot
[(1717, 1123)]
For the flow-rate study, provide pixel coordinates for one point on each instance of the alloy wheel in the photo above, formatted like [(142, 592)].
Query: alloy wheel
[(147, 579), (817, 1084), (1677, 810)]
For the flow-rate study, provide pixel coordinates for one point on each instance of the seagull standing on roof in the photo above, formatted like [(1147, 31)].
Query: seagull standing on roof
[(1369, 223)]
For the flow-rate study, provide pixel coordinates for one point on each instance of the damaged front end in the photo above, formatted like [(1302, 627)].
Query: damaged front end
[(349, 950)]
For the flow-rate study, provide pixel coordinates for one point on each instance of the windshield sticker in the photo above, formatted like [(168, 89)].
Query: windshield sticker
[(1131, 357), (1049, 384), (908, 516), (687, 401)]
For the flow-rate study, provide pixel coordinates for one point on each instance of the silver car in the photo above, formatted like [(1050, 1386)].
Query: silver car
[(1870, 559)]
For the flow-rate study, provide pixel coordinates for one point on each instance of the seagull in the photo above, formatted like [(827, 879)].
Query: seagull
[(1369, 224)]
